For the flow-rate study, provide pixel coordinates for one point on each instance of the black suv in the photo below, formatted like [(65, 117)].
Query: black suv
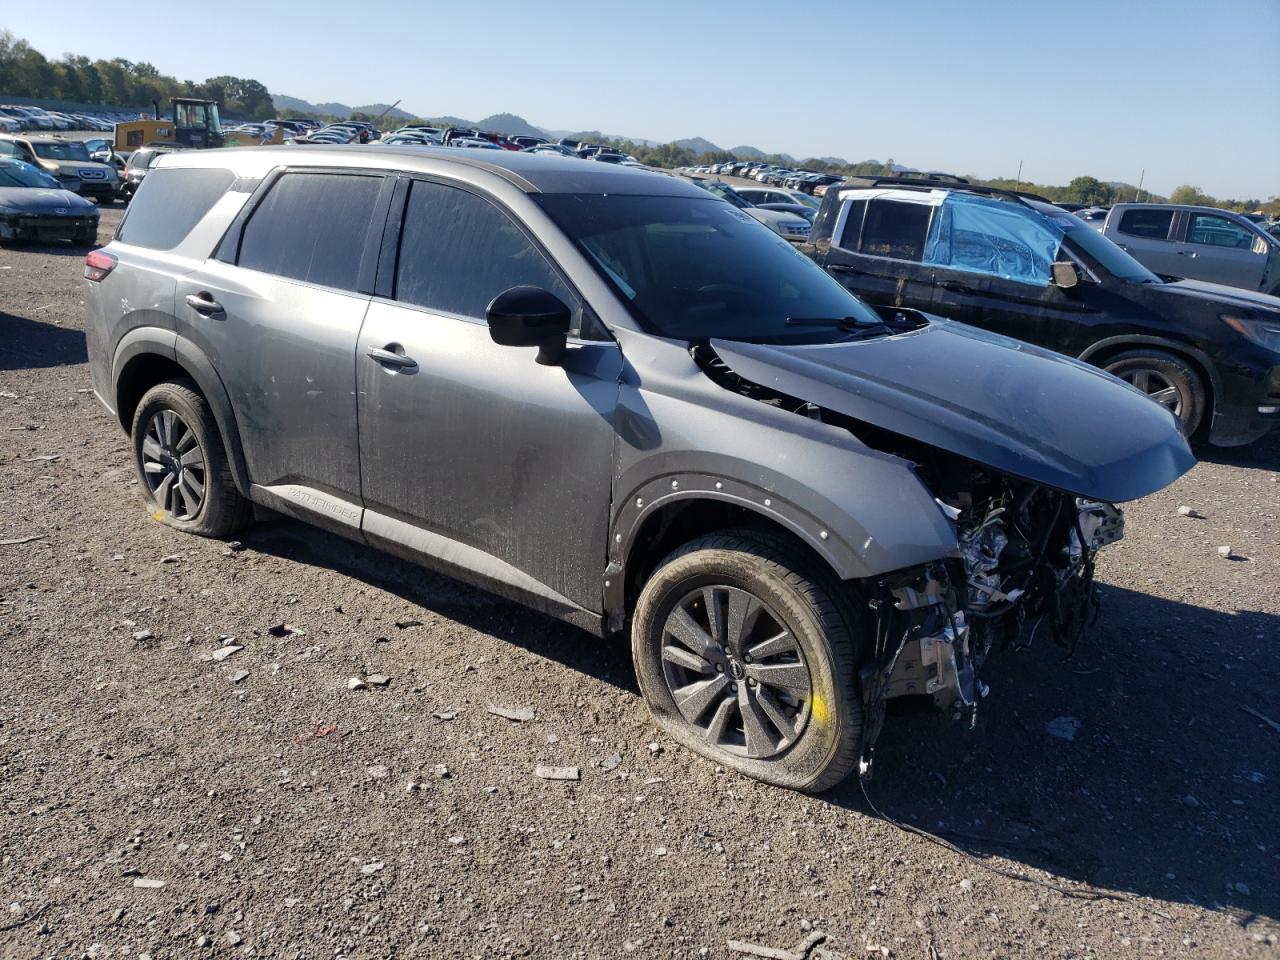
[(1016, 264)]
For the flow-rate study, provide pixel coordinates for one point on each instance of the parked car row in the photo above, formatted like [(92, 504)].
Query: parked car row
[(809, 182), (15, 119)]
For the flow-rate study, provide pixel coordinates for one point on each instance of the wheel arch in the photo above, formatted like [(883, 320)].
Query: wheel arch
[(650, 532), (1102, 351), (147, 356)]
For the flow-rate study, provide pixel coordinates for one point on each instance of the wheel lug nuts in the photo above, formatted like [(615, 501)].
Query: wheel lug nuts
[(751, 681), (733, 688), (719, 668), (746, 659)]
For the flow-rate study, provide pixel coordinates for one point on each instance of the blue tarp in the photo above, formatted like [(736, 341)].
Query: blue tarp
[(994, 237)]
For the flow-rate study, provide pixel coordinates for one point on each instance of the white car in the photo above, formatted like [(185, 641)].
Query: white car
[(761, 195)]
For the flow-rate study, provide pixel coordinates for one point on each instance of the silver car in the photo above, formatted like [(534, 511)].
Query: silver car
[(613, 397), (1197, 243)]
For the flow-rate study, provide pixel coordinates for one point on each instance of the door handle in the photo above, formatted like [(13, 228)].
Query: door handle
[(953, 285), (1188, 253), (390, 357), (204, 304)]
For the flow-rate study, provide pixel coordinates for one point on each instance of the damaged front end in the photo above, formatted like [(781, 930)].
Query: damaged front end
[(1025, 572), (1024, 451)]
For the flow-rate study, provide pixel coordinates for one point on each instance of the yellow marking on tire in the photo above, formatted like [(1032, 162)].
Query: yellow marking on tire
[(159, 515), (819, 710)]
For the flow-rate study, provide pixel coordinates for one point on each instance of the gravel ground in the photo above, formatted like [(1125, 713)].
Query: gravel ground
[(159, 800)]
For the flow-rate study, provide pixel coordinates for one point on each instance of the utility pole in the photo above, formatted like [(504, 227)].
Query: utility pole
[(1142, 176), (1018, 180)]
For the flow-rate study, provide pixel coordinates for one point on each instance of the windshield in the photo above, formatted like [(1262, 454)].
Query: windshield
[(71, 150), (24, 175), (693, 269), (728, 194), (1096, 247)]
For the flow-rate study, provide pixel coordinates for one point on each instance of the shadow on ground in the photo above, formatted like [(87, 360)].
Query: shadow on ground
[(27, 344), (1168, 789)]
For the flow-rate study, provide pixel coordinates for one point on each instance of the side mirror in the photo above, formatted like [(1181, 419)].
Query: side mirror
[(530, 317), (1065, 275)]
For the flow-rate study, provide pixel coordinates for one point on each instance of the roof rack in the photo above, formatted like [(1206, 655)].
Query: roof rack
[(933, 181)]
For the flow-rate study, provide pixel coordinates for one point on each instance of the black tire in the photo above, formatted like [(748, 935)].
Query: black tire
[(1155, 372), (221, 510), (802, 599)]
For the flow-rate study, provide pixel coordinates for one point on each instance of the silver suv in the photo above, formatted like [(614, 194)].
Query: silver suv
[(610, 396)]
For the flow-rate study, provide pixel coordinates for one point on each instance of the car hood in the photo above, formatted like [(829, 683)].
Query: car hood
[(770, 217), (1016, 408), (44, 200), (1215, 293)]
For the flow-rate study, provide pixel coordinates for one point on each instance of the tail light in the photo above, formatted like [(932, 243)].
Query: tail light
[(98, 264)]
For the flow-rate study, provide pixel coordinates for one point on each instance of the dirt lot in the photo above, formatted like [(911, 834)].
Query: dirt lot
[(280, 811)]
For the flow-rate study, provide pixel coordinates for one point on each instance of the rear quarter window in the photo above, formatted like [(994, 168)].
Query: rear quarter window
[(169, 202)]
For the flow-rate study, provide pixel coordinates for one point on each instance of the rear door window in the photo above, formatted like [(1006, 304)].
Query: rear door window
[(169, 202), (312, 227), (1214, 231), (1152, 224), (458, 251), (895, 229)]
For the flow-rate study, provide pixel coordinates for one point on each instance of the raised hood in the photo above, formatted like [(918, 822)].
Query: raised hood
[(1014, 407)]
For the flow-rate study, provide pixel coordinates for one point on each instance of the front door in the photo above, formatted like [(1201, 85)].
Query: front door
[(474, 455), (1220, 250), (279, 317)]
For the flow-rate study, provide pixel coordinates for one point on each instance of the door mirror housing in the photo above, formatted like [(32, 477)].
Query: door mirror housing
[(1065, 274), (528, 316)]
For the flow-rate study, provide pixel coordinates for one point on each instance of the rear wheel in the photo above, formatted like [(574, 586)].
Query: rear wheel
[(743, 657), (1167, 379), (181, 463)]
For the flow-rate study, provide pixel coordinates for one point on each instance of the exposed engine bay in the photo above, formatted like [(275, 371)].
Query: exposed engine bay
[(1025, 573)]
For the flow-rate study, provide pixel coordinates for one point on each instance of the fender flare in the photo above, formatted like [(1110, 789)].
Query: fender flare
[(1175, 346), (168, 344), (658, 493)]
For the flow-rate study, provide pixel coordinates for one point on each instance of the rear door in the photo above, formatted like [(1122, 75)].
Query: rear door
[(1148, 234), (278, 313), (1218, 249), (473, 454), (877, 246)]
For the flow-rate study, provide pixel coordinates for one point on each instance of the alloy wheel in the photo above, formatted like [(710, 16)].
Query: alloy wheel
[(736, 672), (1156, 386), (173, 464)]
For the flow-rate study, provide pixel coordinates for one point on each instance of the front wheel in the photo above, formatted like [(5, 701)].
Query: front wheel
[(182, 465), (1167, 379), (743, 656)]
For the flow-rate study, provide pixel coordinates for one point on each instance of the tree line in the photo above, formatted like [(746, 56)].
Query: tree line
[(26, 72)]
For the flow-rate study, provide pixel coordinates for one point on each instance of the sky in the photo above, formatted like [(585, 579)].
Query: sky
[(1188, 92)]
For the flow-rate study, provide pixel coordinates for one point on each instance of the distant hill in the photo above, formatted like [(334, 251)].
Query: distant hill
[(698, 145), (509, 125), (285, 104), (748, 153), (373, 109)]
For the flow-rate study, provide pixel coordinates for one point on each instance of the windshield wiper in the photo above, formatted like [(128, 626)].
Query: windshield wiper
[(842, 322)]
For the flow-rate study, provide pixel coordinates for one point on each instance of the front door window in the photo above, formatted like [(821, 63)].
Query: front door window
[(993, 237)]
